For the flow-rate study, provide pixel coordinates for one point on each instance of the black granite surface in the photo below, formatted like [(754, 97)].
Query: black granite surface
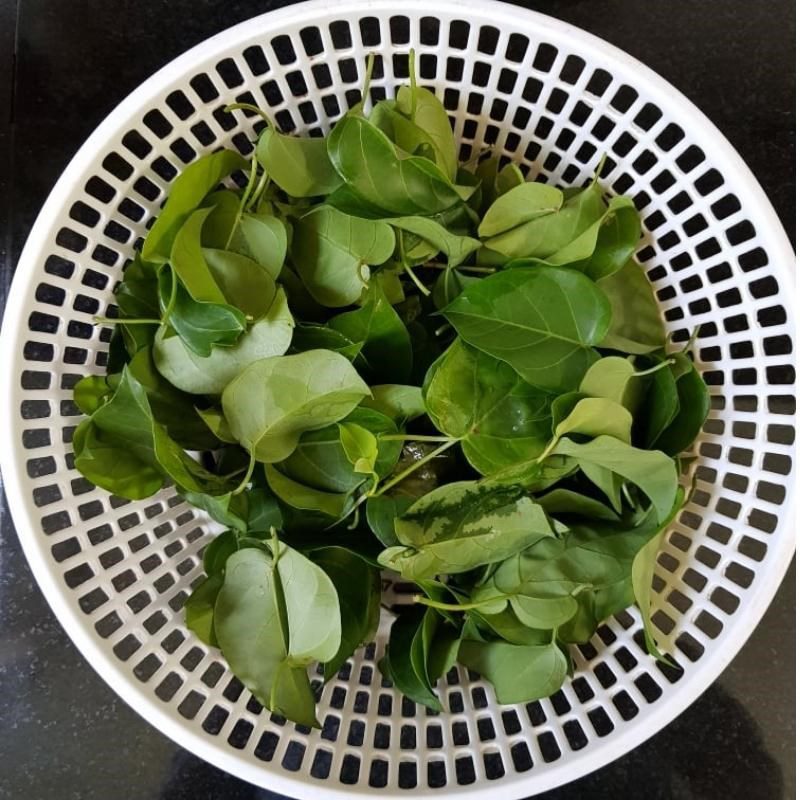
[(64, 64)]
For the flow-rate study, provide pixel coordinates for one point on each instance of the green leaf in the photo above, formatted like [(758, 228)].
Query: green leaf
[(217, 424), (398, 402), (263, 238), (518, 673), (358, 586), (449, 285), (694, 403), (189, 264), (90, 392), (597, 416), (271, 618), (456, 248), (247, 621), (574, 581), (111, 467), (320, 460), (413, 138), (382, 510), (509, 177), (543, 322), (274, 400), (181, 468), (565, 502), (443, 652), (614, 378), (642, 571), (406, 659), (508, 626), (331, 251), (218, 508), (636, 323), (218, 550), (608, 482), (307, 498), (346, 200), (319, 337), (500, 419), (185, 195), (391, 285), (222, 219), (606, 245), (652, 471), (137, 297), (534, 475), (128, 426), (300, 166), (201, 325), (660, 407), (199, 609), (360, 446), (518, 205), (545, 234), (463, 525), (270, 336), (426, 111), (171, 407), (386, 342), (312, 608), (245, 283), (118, 355), (374, 170), (562, 406), (263, 512), (292, 696), (302, 304), (486, 172)]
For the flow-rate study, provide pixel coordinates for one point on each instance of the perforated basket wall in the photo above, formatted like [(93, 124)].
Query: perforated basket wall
[(552, 98)]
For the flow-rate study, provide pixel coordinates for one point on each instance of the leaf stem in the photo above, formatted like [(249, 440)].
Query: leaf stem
[(233, 474), (414, 467), (173, 296), (251, 182), (460, 268), (263, 182), (123, 321), (656, 368), (250, 107), (412, 78), (441, 329), (426, 601), (549, 449), (448, 273), (692, 340), (473, 161), (626, 492), (599, 169), (401, 247), (421, 286), (367, 78), (402, 437), (247, 476)]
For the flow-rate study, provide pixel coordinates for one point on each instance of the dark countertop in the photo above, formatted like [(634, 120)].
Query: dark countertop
[(64, 64)]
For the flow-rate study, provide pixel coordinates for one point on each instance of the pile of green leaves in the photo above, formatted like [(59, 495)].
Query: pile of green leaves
[(355, 353)]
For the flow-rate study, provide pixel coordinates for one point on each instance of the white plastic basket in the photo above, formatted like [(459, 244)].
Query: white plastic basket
[(552, 98)]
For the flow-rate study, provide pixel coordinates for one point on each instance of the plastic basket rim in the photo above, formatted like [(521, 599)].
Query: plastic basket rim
[(57, 594)]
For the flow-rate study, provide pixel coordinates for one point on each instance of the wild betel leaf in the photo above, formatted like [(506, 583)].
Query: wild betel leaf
[(543, 322), (376, 323), (274, 400)]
